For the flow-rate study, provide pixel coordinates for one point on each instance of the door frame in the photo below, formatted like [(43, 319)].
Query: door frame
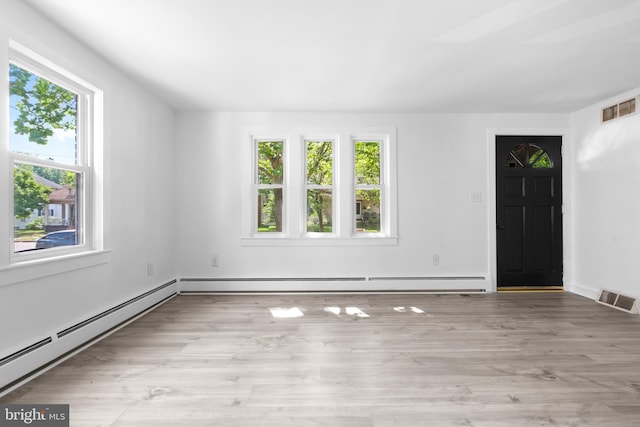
[(492, 249)]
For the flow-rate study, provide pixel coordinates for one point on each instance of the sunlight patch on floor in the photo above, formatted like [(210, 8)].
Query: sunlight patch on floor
[(293, 312), (355, 311), (407, 309), (333, 310), (284, 313)]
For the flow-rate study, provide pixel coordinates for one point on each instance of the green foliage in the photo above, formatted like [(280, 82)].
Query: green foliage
[(42, 106), (37, 224), (27, 235), (371, 198), (315, 228), (529, 155), (270, 162), (319, 162), (271, 171), (540, 160), (319, 206), (319, 172), (370, 207), (28, 194), (367, 159), (59, 176), (270, 210)]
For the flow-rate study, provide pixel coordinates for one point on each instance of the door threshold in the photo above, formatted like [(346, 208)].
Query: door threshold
[(531, 289)]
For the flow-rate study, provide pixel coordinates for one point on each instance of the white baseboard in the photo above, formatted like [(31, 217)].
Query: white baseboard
[(584, 291)]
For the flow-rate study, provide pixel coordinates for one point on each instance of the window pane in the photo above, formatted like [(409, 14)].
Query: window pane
[(319, 162), (367, 159), (528, 155), (270, 210), (270, 162), (541, 161), (319, 210), (43, 117), (368, 214), (45, 207)]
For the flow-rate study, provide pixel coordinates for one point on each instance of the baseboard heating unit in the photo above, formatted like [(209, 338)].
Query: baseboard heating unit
[(448, 284), (26, 363)]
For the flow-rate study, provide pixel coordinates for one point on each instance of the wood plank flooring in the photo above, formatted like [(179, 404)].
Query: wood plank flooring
[(531, 359)]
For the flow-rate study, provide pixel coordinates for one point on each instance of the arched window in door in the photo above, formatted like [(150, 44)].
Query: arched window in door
[(528, 156)]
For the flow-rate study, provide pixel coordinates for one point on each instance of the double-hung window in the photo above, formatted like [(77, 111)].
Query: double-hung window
[(50, 151), (269, 185), (368, 186), (321, 187)]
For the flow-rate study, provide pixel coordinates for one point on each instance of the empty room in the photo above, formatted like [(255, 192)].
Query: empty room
[(337, 213)]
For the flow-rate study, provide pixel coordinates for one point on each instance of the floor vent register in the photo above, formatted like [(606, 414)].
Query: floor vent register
[(619, 301)]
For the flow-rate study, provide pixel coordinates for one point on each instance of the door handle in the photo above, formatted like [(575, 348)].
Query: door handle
[(500, 225)]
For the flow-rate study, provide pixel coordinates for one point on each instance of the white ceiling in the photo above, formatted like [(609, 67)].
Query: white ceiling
[(366, 55)]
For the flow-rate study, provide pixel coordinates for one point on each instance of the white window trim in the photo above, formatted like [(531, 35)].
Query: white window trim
[(18, 267), (294, 198)]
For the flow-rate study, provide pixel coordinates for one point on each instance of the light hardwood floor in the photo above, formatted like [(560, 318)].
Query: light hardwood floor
[(528, 359)]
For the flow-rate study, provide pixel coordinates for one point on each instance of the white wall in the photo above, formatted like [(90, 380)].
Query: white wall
[(138, 187), (606, 196), (442, 159)]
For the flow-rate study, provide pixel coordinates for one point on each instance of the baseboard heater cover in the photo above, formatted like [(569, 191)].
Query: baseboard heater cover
[(274, 279), (619, 301), (105, 313), (49, 340), (18, 354), (373, 284)]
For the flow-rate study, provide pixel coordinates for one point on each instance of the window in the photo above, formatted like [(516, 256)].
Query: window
[(321, 187), (368, 186), (50, 149), (528, 156), (269, 184), (319, 184)]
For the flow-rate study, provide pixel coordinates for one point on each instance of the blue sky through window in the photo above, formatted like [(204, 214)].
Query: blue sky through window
[(60, 147)]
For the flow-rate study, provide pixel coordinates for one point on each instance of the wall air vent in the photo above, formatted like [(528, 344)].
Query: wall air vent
[(621, 109), (619, 301)]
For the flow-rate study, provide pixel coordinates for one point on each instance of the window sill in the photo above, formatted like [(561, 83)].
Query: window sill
[(319, 241), (38, 268)]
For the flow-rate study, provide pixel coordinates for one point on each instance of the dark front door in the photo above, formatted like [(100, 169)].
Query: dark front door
[(529, 210)]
